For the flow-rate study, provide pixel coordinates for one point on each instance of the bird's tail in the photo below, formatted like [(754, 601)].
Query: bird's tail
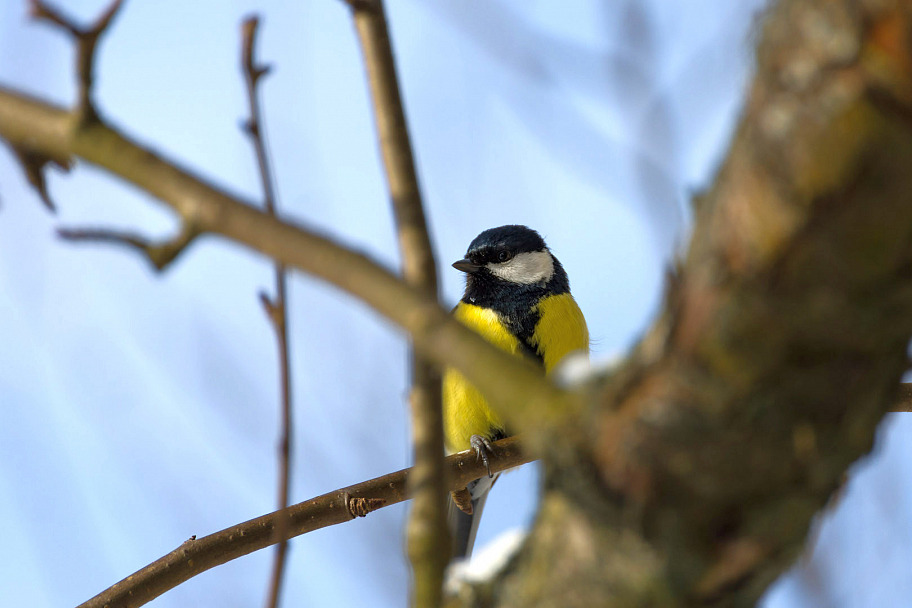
[(463, 526)]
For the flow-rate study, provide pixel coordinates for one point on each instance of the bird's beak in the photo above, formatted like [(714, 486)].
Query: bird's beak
[(466, 266)]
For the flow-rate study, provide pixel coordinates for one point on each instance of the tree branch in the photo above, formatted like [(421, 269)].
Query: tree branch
[(198, 555), (525, 397), (33, 165), (428, 536), (160, 254), (276, 309), (86, 42), (696, 475)]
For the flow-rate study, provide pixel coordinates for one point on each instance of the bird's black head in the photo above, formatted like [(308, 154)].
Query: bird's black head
[(499, 244), (509, 258)]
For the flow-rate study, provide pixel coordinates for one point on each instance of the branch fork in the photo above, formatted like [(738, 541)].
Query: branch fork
[(85, 112)]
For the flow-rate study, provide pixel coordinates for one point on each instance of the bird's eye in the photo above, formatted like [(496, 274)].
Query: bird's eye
[(503, 256)]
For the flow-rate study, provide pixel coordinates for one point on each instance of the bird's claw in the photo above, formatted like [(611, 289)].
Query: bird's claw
[(482, 447)]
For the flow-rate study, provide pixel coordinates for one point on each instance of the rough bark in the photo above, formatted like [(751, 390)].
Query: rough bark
[(694, 476)]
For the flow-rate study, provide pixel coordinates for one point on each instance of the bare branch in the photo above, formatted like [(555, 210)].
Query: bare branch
[(86, 42), (198, 555), (159, 254), (33, 164), (767, 373), (252, 126), (428, 537), (526, 398), (276, 308), (419, 266)]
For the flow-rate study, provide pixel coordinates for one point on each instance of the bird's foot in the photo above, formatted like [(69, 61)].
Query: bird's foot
[(482, 447)]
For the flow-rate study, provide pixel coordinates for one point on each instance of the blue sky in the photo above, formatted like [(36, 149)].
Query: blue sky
[(138, 409)]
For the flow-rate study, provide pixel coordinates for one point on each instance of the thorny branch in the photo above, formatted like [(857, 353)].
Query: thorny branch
[(277, 308)]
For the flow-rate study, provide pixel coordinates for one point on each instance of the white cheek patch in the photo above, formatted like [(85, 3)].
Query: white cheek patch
[(525, 268)]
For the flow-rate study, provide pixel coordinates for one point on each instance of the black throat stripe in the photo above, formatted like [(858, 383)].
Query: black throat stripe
[(516, 303)]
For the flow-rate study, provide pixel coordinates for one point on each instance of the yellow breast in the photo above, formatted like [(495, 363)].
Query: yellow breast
[(561, 329)]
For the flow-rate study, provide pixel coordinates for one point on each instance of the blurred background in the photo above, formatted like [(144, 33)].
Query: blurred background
[(139, 409)]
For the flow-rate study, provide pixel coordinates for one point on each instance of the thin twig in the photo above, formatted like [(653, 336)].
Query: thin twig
[(159, 254), (277, 308), (33, 164), (86, 42), (428, 537), (198, 555)]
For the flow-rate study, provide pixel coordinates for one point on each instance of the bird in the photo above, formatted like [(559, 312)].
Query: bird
[(517, 296)]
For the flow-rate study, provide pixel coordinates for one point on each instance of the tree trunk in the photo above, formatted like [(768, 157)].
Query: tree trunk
[(694, 475)]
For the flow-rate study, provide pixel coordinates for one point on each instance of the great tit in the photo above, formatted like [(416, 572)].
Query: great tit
[(517, 297)]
